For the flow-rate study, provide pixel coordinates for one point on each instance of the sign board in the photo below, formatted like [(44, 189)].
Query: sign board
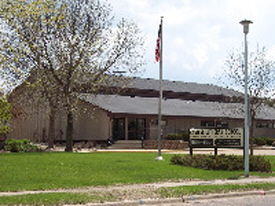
[(216, 137)]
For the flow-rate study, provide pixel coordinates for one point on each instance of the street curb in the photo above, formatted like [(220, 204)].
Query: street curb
[(184, 199)]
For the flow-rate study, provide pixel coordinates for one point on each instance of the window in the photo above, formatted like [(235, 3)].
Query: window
[(155, 122), (262, 125), (213, 123), (207, 123), (222, 124)]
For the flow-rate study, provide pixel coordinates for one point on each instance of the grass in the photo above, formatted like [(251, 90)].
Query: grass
[(208, 189), (51, 199), (42, 171)]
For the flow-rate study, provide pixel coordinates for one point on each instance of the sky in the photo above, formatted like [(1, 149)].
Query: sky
[(198, 35)]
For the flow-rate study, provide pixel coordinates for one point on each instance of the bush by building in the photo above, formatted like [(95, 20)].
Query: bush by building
[(23, 145), (222, 162), (178, 136), (261, 141)]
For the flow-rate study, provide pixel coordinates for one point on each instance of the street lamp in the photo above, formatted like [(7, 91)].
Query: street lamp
[(245, 24)]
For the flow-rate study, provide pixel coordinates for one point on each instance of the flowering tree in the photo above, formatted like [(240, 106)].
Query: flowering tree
[(64, 44)]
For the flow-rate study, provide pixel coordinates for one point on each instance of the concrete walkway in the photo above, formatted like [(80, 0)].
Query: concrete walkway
[(248, 180), (265, 150), (257, 151)]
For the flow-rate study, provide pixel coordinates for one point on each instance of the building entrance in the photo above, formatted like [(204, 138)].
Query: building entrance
[(118, 129), (136, 129), (129, 129)]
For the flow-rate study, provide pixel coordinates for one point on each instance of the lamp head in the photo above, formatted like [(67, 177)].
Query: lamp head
[(245, 24)]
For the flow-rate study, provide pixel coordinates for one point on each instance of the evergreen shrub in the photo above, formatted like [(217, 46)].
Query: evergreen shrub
[(269, 140), (24, 145), (222, 162), (178, 136), (260, 141), (173, 136)]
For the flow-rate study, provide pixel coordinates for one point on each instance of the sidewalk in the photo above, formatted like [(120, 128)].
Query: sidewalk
[(145, 193), (149, 186), (265, 150), (193, 199), (228, 151)]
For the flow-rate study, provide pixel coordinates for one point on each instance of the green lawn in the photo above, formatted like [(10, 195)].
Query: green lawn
[(35, 171), (51, 199)]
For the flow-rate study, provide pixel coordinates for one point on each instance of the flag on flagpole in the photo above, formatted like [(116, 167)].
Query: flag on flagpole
[(158, 57), (158, 46)]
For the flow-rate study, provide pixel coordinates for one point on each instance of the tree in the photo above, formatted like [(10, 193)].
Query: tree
[(5, 115), (261, 72), (66, 43), (20, 53)]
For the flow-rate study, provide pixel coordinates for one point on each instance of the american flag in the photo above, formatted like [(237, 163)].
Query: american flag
[(158, 46)]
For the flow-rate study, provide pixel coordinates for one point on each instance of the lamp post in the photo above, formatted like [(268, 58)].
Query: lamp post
[(245, 24)]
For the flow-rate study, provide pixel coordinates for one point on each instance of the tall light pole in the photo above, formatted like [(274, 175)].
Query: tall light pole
[(245, 24)]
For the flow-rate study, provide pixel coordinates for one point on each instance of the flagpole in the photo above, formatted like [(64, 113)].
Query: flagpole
[(160, 92)]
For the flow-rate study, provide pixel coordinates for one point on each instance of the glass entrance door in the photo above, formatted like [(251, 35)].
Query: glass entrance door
[(118, 129), (136, 129)]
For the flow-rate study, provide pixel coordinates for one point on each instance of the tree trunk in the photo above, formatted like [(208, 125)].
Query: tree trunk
[(51, 132), (69, 132)]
